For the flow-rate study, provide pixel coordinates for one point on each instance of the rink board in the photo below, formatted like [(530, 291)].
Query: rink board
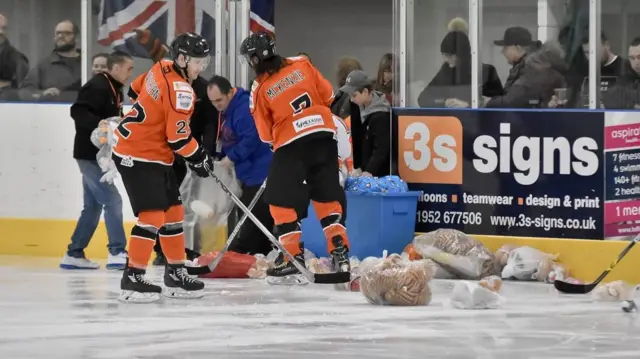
[(586, 259)]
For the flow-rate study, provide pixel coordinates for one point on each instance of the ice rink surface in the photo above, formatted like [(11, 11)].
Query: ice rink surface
[(49, 313)]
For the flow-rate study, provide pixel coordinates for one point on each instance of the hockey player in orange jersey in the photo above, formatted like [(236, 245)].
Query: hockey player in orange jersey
[(290, 102), (156, 127)]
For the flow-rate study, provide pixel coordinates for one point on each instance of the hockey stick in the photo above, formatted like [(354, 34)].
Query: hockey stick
[(320, 278), (214, 264), (569, 288)]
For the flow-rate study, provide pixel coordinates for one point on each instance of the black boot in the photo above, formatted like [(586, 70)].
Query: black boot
[(179, 284), (136, 288)]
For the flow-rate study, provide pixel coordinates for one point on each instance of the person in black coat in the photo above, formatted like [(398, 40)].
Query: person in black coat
[(451, 87), (99, 99)]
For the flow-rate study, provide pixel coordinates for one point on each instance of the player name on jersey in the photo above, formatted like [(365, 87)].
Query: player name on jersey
[(286, 82)]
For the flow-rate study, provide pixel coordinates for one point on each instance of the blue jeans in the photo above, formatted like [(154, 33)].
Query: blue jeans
[(97, 195)]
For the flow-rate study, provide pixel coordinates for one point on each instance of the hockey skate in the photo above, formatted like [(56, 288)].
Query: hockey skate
[(341, 263), (178, 283), (136, 288), (285, 273)]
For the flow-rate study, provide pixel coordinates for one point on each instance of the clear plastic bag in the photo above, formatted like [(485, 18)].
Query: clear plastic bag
[(527, 263), (614, 291), (395, 280), (104, 139), (457, 253), (205, 199), (468, 295)]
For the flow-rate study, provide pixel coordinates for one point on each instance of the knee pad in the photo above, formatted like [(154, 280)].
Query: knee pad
[(149, 223)]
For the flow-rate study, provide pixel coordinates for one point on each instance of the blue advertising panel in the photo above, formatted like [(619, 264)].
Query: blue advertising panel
[(516, 173)]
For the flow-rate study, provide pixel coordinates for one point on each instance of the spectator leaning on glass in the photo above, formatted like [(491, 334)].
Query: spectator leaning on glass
[(241, 147), (13, 65), (376, 119), (56, 78), (100, 98)]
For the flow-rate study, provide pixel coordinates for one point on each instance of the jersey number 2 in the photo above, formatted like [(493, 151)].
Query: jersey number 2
[(300, 103), (136, 115)]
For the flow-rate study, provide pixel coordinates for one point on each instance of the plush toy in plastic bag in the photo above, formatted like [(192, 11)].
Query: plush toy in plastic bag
[(526, 263), (387, 184), (615, 291), (482, 295), (457, 253), (395, 280), (104, 138), (205, 198)]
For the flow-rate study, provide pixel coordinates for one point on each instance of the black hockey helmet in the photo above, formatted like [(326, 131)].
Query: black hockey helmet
[(189, 44), (260, 45)]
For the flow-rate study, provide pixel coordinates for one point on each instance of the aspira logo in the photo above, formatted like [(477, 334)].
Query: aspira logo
[(430, 149)]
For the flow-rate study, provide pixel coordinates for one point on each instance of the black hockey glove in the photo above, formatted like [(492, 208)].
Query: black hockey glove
[(201, 163)]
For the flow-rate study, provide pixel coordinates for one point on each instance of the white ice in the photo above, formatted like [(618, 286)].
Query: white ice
[(49, 313)]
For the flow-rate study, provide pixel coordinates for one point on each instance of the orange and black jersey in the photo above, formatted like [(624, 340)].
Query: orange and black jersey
[(292, 103), (158, 123)]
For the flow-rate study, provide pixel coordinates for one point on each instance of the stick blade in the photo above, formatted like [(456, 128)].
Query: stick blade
[(570, 288), (332, 278)]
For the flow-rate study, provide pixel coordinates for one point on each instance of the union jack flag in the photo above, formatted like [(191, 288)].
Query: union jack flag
[(166, 19)]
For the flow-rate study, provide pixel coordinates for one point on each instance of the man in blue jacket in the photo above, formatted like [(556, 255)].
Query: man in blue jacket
[(240, 146)]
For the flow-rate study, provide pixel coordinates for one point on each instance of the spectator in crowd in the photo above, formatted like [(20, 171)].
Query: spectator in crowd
[(543, 73), (344, 108), (611, 65), (384, 79), (240, 147), (516, 44), (13, 65), (375, 116), (625, 94), (100, 98), (451, 87), (99, 63), (56, 78)]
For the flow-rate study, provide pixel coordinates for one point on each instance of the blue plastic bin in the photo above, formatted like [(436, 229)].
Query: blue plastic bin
[(375, 222)]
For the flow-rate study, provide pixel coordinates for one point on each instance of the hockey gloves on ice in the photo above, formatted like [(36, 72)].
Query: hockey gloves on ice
[(201, 163)]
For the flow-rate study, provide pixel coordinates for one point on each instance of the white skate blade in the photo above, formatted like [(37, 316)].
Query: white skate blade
[(129, 296), (179, 293), (289, 280)]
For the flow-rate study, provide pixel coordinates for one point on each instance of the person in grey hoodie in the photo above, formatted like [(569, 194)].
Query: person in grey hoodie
[(375, 113)]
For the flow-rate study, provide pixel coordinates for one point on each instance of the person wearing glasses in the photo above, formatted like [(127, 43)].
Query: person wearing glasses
[(56, 78)]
